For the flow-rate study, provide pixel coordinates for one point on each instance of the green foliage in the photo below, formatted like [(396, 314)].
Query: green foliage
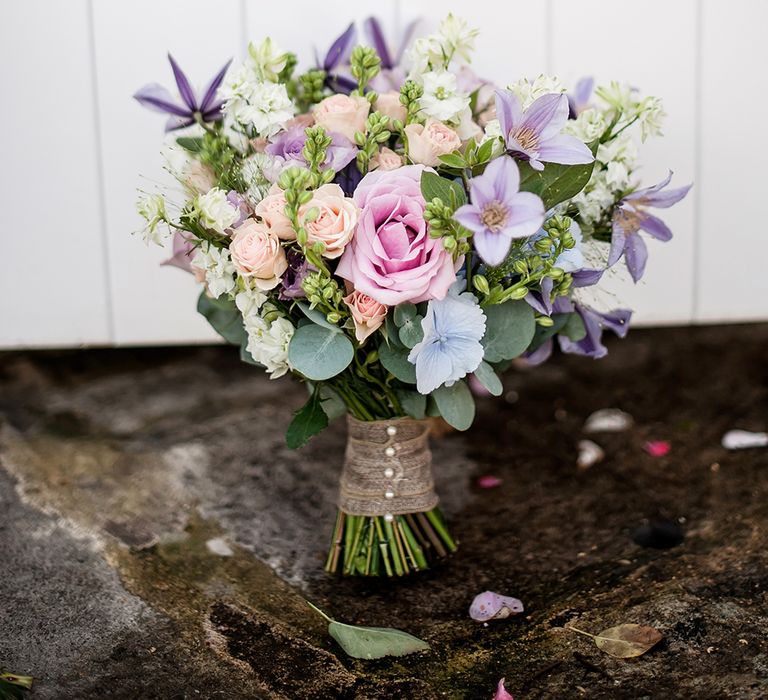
[(395, 361), (318, 352), (449, 192), (489, 379), (509, 329), (403, 313), (224, 318), (410, 94), (411, 332), (574, 328), (13, 686), (377, 132), (216, 152), (364, 64), (193, 144), (413, 403), (455, 404), (556, 183), (307, 421)]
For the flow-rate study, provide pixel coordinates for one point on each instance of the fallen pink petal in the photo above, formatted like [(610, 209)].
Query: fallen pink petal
[(501, 692), (489, 481), (492, 606), (657, 448)]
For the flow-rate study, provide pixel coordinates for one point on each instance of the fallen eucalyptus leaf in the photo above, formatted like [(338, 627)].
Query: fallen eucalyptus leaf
[(744, 439), (501, 692), (590, 453), (624, 641), (608, 420), (371, 642), (492, 606)]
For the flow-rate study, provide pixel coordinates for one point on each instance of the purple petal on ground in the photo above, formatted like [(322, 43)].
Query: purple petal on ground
[(209, 94), (654, 226), (566, 150), (618, 243), (185, 89), (586, 278), (489, 605), (508, 111), (547, 115), (340, 48), (635, 255), (376, 37), (491, 247), (157, 98), (501, 692)]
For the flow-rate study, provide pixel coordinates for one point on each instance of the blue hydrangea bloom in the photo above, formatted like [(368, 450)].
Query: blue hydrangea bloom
[(451, 349)]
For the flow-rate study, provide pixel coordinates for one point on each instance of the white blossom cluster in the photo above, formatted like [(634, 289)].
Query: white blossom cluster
[(269, 333)]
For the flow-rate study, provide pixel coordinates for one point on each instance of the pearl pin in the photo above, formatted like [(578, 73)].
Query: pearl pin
[(391, 430), (389, 472), (389, 494), (389, 517), (390, 452)]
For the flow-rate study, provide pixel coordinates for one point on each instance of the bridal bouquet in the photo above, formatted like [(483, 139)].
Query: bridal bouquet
[(385, 226)]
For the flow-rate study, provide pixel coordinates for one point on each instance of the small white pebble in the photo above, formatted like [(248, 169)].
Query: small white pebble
[(608, 420), (744, 439), (218, 545)]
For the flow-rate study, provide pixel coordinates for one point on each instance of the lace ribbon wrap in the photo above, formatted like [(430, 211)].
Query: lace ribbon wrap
[(387, 468)]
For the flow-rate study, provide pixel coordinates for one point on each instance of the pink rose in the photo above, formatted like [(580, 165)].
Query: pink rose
[(256, 253), (367, 314), (336, 221), (389, 105), (343, 114), (386, 159), (392, 258), (271, 210), (426, 142)]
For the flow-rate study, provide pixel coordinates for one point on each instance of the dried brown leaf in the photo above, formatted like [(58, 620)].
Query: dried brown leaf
[(625, 641)]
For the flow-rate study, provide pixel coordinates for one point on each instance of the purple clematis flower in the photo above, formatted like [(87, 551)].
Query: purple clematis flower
[(183, 248), (337, 57), (630, 216), (289, 146), (298, 268), (186, 112), (534, 134), (499, 212), (392, 75), (579, 99)]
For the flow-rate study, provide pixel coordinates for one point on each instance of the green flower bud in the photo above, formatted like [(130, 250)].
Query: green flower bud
[(520, 267), (333, 317), (481, 284), (312, 214), (518, 293), (556, 273), (545, 321), (449, 243)]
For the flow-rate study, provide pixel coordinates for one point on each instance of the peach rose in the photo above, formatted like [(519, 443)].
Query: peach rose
[(303, 120), (336, 221), (386, 159), (342, 114), (256, 253), (388, 103), (271, 210), (367, 314), (427, 142)]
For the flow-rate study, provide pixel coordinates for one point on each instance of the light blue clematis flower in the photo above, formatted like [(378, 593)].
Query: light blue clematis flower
[(451, 349)]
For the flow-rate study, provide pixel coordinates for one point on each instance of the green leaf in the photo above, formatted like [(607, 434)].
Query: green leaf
[(224, 317), (413, 403), (317, 317), (404, 312), (193, 144), (412, 332), (488, 378), (574, 328), (456, 404), (453, 160), (509, 329), (449, 192), (319, 353), (395, 361), (332, 403), (307, 421), (374, 642), (555, 183), (485, 151), (393, 333)]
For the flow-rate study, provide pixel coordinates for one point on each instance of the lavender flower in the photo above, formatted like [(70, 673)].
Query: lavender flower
[(208, 108), (183, 247), (337, 56), (450, 349), (534, 134), (630, 217), (392, 75), (289, 146), (578, 101), (499, 212), (298, 268)]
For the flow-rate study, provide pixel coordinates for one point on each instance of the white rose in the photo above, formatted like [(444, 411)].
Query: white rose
[(216, 213)]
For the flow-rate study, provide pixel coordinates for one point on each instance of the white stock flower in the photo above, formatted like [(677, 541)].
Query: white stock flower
[(617, 96), (261, 105), (588, 126), (493, 132), (250, 300), (151, 208), (617, 175), (268, 341), (622, 149), (266, 59), (441, 98), (650, 114), (457, 38), (216, 213), (219, 270), (425, 53), (527, 91)]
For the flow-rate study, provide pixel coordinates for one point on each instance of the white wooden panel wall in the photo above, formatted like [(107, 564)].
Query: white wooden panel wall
[(76, 147)]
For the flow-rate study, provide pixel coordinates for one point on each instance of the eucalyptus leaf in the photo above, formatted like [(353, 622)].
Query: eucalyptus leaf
[(456, 404), (555, 183), (447, 191), (509, 329), (224, 317), (395, 361), (488, 378), (332, 403), (413, 403), (392, 332), (307, 421), (403, 313), (319, 353), (317, 317), (624, 641), (574, 328), (411, 332), (374, 642)]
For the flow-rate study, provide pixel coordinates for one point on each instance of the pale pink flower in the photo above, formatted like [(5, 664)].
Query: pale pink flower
[(335, 222), (342, 114), (257, 254), (427, 142), (388, 103), (271, 210), (386, 159), (367, 314)]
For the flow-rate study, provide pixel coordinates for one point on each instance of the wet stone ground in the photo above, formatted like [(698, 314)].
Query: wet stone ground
[(159, 539)]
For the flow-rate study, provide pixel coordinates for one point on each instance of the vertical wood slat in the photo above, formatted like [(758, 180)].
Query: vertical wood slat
[(652, 48), (53, 279), (732, 279), (152, 304)]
